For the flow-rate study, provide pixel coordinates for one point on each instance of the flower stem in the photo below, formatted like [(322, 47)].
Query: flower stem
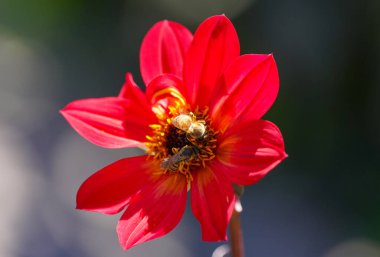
[(236, 235)]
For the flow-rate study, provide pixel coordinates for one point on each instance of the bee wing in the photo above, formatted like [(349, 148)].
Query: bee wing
[(165, 163)]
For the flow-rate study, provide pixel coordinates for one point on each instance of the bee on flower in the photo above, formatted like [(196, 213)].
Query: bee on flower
[(187, 122), (200, 124), (180, 157)]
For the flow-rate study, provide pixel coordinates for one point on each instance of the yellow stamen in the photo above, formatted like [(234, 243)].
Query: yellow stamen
[(176, 149), (171, 91)]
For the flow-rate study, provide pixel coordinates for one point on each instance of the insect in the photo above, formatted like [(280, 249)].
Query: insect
[(189, 123), (173, 163)]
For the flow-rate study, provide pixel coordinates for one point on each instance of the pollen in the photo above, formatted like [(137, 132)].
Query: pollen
[(183, 141)]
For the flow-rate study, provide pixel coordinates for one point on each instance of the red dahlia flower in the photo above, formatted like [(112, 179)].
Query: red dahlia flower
[(199, 121)]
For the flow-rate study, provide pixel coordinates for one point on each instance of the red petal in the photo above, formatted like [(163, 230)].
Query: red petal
[(165, 90), (154, 212), (212, 201), (214, 47), (248, 151), (110, 122), (109, 190), (252, 85), (130, 90), (163, 50)]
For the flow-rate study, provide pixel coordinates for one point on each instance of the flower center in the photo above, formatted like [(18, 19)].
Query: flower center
[(182, 141)]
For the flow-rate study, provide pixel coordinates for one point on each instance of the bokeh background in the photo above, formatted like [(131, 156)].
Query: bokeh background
[(323, 201)]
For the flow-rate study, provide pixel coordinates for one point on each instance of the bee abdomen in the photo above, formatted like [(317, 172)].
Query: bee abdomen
[(169, 164), (182, 122)]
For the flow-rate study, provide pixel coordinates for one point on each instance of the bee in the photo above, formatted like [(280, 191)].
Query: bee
[(186, 153), (189, 123)]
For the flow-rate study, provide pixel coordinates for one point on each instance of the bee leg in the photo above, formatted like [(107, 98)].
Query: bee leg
[(193, 117)]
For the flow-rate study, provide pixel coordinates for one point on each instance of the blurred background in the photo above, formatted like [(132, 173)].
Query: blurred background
[(323, 201)]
